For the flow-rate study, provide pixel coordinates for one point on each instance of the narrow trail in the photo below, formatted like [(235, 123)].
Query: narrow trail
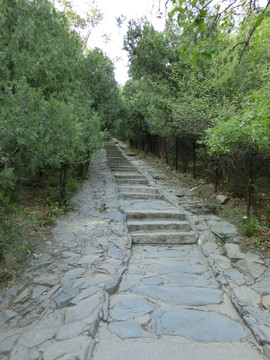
[(132, 275)]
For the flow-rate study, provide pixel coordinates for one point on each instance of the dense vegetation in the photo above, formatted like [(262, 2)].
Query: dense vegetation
[(199, 94), (56, 100)]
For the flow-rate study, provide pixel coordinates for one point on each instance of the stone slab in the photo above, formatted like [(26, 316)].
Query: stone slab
[(83, 309), (197, 325), (65, 296), (129, 308), (6, 315), (76, 347), (71, 330), (7, 344), (246, 296), (263, 317), (182, 295), (263, 286)]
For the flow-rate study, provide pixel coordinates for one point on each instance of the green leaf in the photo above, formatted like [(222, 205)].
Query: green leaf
[(203, 13), (202, 25), (195, 58), (206, 58), (259, 20)]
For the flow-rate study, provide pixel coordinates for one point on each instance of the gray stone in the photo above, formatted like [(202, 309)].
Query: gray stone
[(176, 295), (234, 252), (111, 286), (263, 317), (129, 283), (73, 347), (246, 296), (136, 272), (199, 208), (93, 281), (72, 274), (195, 269), (168, 254), (79, 282), (196, 325), (88, 260), (266, 302), (235, 276), (263, 286), (94, 327), (266, 350), (38, 266), (65, 296), (221, 199), (83, 309), (6, 315), (179, 193), (23, 296), (223, 229), (115, 252), (85, 294), (91, 349), (127, 330), (129, 308), (7, 344), (44, 331), (248, 267), (116, 217), (207, 237), (38, 290), (49, 280), (210, 248), (69, 331), (256, 331), (155, 280), (189, 280), (105, 307)]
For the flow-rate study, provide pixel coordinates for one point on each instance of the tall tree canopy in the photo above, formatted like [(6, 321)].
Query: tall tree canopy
[(56, 98)]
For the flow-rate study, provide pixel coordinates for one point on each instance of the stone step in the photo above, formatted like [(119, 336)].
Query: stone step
[(128, 176), (122, 168), (154, 225), (138, 189), (145, 196), (118, 160), (164, 237), (131, 181), (154, 214)]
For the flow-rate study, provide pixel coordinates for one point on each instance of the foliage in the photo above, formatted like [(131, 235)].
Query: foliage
[(55, 98), (204, 17)]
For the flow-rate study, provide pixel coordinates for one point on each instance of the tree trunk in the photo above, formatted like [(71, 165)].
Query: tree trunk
[(249, 184), (63, 182), (194, 158), (166, 151), (176, 152), (216, 176)]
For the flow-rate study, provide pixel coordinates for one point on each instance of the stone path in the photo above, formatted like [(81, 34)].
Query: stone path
[(169, 296)]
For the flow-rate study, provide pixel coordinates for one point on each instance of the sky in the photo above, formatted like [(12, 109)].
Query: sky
[(107, 35)]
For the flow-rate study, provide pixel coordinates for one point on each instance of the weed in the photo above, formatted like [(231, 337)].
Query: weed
[(5, 276), (251, 226)]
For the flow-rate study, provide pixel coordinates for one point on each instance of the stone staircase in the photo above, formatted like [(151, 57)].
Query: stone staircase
[(151, 219)]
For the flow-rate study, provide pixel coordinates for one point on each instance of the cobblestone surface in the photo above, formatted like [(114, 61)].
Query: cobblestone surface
[(94, 296)]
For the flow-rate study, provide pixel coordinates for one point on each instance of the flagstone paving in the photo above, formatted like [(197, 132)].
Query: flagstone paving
[(131, 274)]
